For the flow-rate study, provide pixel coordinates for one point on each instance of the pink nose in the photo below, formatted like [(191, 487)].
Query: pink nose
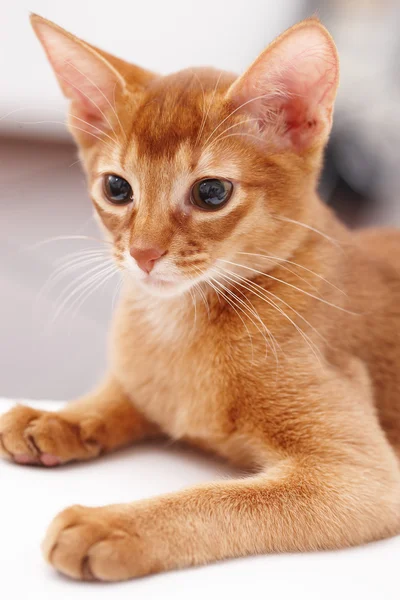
[(146, 257)]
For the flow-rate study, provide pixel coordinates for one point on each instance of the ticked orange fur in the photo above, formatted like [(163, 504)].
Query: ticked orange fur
[(265, 331)]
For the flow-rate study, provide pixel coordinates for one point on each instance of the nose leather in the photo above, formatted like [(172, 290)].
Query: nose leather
[(146, 257)]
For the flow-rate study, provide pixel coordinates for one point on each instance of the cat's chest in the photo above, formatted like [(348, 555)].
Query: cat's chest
[(174, 371)]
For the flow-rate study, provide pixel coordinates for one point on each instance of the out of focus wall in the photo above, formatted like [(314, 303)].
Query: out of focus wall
[(162, 35)]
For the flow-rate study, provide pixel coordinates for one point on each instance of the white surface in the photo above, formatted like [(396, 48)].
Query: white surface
[(30, 497), (162, 36)]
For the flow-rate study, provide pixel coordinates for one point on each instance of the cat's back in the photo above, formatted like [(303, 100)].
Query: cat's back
[(382, 244)]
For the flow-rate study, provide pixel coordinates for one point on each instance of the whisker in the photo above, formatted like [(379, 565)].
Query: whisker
[(228, 128), (59, 238), (233, 112), (198, 288), (99, 282), (195, 310), (310, 228), (280, 259), (292, 286), (98, 271), (117, 290), (242, 134), (264, 291), (285, 268), (69, 125), (249, 285), (94, 127), (251, 311), (233, 306), (58, 122), (204, 298), (83, 254), (274, 344), (64, 270)]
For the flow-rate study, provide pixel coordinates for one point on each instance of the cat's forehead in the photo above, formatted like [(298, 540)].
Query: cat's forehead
[(175, 115)]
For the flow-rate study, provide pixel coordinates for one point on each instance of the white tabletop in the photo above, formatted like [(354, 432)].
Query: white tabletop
[(31, 496)]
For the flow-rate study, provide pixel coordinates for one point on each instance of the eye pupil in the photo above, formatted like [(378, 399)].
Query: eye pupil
[(117, 189), (211, 194)]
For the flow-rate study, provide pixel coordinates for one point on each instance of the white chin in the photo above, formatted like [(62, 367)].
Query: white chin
[(164, 288)]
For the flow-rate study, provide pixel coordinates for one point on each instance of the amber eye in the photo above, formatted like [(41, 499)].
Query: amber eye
[(211, 194), (117, 189)]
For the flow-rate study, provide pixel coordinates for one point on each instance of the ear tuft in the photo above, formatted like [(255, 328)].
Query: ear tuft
[(292, 85)]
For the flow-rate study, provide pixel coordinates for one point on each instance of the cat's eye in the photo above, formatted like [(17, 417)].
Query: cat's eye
[(211, 194), (117, 190)]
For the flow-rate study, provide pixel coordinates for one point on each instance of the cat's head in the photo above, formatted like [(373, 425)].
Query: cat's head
[(200, 169)]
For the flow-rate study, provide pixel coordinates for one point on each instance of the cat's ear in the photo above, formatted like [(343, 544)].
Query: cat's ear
[(90, 78), (291, 87)]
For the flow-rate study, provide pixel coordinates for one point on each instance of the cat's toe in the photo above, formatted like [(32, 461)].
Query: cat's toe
[(13, 442), (26, 459), (89, 544), (32, 437)]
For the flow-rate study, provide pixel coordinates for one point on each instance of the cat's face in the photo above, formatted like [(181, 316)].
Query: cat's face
[(182, 194), (194, 173)]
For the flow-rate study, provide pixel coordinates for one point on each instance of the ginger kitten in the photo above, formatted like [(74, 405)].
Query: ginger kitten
[(252, 323)]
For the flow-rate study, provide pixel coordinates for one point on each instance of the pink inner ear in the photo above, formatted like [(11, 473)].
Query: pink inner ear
[(85, 78), (297, 78)]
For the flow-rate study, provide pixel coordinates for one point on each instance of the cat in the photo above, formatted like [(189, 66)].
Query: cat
[(252, 323)]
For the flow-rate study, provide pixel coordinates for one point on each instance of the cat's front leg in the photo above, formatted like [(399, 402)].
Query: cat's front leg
[(99, 422), (300, 504)]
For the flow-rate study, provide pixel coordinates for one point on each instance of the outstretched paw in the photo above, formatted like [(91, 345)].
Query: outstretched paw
[(95, 544)]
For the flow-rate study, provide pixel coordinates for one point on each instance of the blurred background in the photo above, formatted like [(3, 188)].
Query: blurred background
[(53, 333)]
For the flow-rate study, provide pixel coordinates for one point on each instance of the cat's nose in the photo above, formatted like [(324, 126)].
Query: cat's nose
[(146, 257)]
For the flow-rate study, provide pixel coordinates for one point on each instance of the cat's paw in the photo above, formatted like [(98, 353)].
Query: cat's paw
[(95, 544), (35, 437)]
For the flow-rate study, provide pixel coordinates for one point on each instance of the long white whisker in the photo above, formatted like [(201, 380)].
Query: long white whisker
[(65, 269), (291, 285), (195, 310), (228, 135), (67, 237), (94, 127), (198, 288), (273, 343), (280, 259), (82, 254), (117, 291), (249, 285), (233, 112), (251, 311), (100, 281), (65, 124), (245, 121), (284, 267), (310, 228), (60, 122), (234, 307), (264, 291), (98, 270), (203, 297)]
